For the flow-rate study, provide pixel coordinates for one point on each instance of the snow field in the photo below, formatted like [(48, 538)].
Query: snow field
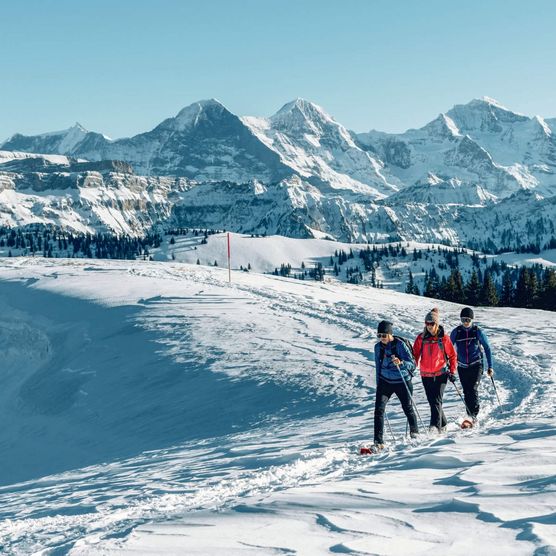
[(280, 472)]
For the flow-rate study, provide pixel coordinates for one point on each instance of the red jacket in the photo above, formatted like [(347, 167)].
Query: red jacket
[(430, 357)]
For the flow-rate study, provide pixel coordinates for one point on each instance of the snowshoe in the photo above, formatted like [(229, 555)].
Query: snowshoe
[(370, 450), (467, 423)]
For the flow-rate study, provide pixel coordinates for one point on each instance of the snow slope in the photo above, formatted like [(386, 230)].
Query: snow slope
[(152, 408)]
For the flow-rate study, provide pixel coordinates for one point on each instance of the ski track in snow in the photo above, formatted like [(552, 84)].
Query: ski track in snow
[(292, 482)]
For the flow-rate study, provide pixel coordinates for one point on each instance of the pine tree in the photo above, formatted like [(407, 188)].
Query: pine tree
[(548, 296), (521, 295), (489, 296), (533, 289), (454, 288), (459, 294), (432, 285), (410, 287), (472, 290), (507, 295)]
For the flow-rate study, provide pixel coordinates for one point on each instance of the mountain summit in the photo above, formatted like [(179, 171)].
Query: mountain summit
[(479, 143)]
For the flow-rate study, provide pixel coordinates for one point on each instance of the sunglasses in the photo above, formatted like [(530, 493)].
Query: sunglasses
[(466, 320), (430, 323), (380, 335)]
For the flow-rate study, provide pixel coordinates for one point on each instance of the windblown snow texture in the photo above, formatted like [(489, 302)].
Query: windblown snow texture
[(179, 414)]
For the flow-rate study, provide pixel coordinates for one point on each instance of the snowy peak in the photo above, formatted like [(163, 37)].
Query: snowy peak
[(195, 113), (77, 126), (54, 142), (72, 138), (301, 116), (485, 115), (479, 142), (302, 108), (490, 101), (319, 148)]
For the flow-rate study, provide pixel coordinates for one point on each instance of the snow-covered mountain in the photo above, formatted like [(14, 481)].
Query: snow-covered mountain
[(298, 173), (316, 146), (480, 143), (108, 196), (204, 141), (55, 142)]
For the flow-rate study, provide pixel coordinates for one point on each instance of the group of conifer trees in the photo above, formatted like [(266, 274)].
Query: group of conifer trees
[(531, 287), (53, 242)]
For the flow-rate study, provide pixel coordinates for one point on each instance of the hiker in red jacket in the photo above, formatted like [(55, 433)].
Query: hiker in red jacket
[(436, 357)]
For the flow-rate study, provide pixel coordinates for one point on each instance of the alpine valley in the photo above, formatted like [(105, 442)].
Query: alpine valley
[(478, 176)]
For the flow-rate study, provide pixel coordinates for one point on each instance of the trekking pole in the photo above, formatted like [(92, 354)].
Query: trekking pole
[(411, 397), (495, 390), (461, 397), (389, 427)]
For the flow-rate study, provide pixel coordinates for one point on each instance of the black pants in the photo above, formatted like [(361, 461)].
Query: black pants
[(470, 377), (384, 391), (434, 388)]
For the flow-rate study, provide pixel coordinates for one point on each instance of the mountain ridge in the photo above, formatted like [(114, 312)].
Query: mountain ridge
[(298, 172)]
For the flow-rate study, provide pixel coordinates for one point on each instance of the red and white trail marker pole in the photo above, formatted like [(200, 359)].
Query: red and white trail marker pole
[(229, 261)]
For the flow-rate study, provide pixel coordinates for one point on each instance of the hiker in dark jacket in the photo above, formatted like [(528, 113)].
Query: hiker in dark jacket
[(437, 360), (470, 341), (394, 371)]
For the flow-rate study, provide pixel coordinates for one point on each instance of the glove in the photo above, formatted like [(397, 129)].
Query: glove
[(452, 377), (490, 371)]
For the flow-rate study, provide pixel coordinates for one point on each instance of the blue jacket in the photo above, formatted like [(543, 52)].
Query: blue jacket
[(468, 342), (385, 369)]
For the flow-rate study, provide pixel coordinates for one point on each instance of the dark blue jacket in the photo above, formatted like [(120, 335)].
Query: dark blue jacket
[(385, 369), (468, 342)]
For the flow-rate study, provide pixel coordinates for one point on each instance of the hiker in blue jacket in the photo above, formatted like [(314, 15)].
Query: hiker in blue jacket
[(470, 341), (394, 371)]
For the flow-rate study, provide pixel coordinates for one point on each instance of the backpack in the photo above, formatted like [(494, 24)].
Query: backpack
[(475, 340), (407, 344), (474, 328)]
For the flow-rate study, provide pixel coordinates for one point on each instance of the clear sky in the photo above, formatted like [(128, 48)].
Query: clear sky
[(121, 66)]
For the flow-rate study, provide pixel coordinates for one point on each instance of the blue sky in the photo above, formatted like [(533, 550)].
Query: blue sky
[(121, 66)]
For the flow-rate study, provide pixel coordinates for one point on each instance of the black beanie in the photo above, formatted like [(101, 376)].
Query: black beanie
[(467, 313), (385, 327)]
